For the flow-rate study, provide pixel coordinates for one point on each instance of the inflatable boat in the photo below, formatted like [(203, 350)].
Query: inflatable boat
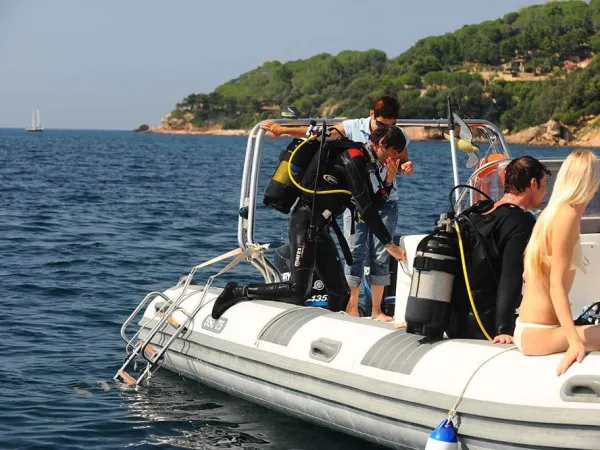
[(363, 377)]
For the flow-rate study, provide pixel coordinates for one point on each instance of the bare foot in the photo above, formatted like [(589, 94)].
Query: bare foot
[(382, 318), (352, 311)]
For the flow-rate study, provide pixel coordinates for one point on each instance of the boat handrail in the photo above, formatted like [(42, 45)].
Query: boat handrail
[(250, 175)]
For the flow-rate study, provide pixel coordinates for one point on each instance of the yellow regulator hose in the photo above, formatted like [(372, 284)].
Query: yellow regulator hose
[(464, 267), (303, 189)]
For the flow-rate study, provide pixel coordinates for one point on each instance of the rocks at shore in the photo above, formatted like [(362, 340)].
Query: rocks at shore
[(143, 128), (212, 130), (183, 125), (553, 133), (586, 133)]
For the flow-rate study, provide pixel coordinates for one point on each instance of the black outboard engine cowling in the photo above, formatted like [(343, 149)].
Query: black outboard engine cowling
[(435, 266)]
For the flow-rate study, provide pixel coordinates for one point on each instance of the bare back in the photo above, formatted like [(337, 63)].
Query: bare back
[(558, 271)]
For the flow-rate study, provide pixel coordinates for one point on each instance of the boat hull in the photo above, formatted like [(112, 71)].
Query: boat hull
[(282, 359)]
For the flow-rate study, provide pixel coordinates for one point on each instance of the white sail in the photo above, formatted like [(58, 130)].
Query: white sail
[(36, 124)]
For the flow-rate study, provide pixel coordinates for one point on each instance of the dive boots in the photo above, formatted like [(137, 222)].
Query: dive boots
[(233, 293)]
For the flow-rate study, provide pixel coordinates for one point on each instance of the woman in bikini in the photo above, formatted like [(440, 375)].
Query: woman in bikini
[(545, 324)]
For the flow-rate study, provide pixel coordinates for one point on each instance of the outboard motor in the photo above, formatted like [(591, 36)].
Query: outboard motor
[(436, 263)]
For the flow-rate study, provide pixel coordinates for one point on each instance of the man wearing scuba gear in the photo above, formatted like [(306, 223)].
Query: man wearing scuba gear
[(383, 171), (496, 235), (345, 171)]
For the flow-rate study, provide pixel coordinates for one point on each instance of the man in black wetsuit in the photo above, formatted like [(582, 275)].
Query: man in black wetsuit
[(497, 280), (345, 170)]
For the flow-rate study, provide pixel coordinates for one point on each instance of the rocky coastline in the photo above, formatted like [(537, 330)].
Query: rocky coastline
[(586, 133), (216, 131)]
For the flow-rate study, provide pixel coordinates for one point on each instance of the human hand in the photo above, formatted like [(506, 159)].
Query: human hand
[(272, 127), (575, 352), (503, 339), (407, 168), (391, 168), (397, 252)]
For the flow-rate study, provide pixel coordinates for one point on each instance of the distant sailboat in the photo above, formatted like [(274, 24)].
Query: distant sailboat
[(36, 125)]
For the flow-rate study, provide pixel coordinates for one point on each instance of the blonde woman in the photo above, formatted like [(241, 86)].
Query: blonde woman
[(552, 257)]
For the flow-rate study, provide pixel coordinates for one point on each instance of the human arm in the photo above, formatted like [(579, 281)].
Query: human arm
[(510, 284), (355, 168), (406, 168), (278, 130), (401, 166), (298, 132), (564, 237), (396, 251)]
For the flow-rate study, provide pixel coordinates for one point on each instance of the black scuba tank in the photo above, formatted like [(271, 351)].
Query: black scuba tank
[(281, 193), (435, 266)]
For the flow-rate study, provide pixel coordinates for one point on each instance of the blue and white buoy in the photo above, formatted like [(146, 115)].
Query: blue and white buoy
[(443, 437)]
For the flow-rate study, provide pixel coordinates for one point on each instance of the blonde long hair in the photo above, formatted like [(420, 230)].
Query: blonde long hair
[(576, 184)]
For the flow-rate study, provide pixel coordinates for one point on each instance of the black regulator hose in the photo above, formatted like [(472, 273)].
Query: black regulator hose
[(452, 204)]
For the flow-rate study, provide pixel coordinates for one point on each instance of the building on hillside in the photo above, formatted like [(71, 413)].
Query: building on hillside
[(514, 66)]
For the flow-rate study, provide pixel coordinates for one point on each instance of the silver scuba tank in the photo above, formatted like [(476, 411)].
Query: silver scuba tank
[(435, 266)]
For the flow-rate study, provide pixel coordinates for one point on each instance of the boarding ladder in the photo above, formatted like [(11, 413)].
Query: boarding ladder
[(164, 316)]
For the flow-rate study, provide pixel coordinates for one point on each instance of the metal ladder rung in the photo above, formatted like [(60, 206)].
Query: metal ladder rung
[(133, 315), (128, 379), (141, 346), (172, 320), (148, 349), (179, 329), (165, 315)]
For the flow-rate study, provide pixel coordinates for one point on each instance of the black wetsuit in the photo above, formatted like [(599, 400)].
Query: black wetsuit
[(345, 169), (496, 282)]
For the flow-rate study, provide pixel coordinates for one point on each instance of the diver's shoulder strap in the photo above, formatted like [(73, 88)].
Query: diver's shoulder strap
[(343, 143), (479, 207), (343, 242)]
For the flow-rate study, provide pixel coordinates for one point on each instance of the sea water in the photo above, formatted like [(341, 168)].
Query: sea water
[(90, 222)]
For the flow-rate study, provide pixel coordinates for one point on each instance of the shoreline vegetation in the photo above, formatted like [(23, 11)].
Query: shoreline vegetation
[(535, 73), (551, 133)]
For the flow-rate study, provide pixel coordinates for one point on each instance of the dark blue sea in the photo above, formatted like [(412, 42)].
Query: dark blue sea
[(90, 222)]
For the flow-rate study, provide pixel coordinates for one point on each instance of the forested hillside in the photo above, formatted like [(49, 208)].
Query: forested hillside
[(517, 71)]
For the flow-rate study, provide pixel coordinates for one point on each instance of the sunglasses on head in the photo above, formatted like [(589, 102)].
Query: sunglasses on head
[(380, 124)]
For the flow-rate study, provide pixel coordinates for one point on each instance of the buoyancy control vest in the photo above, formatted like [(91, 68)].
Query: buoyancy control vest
[(300, 160), (483, 262), (437, 284), (281, 193)]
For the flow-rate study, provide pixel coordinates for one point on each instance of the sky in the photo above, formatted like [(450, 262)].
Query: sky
[(115, 64)]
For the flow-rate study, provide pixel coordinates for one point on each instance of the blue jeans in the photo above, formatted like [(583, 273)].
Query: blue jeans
[(363, 239)]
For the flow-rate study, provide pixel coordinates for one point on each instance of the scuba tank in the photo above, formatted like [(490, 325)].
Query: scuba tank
[(281, 193), (435, 266), (302, 160), (433, 292)]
